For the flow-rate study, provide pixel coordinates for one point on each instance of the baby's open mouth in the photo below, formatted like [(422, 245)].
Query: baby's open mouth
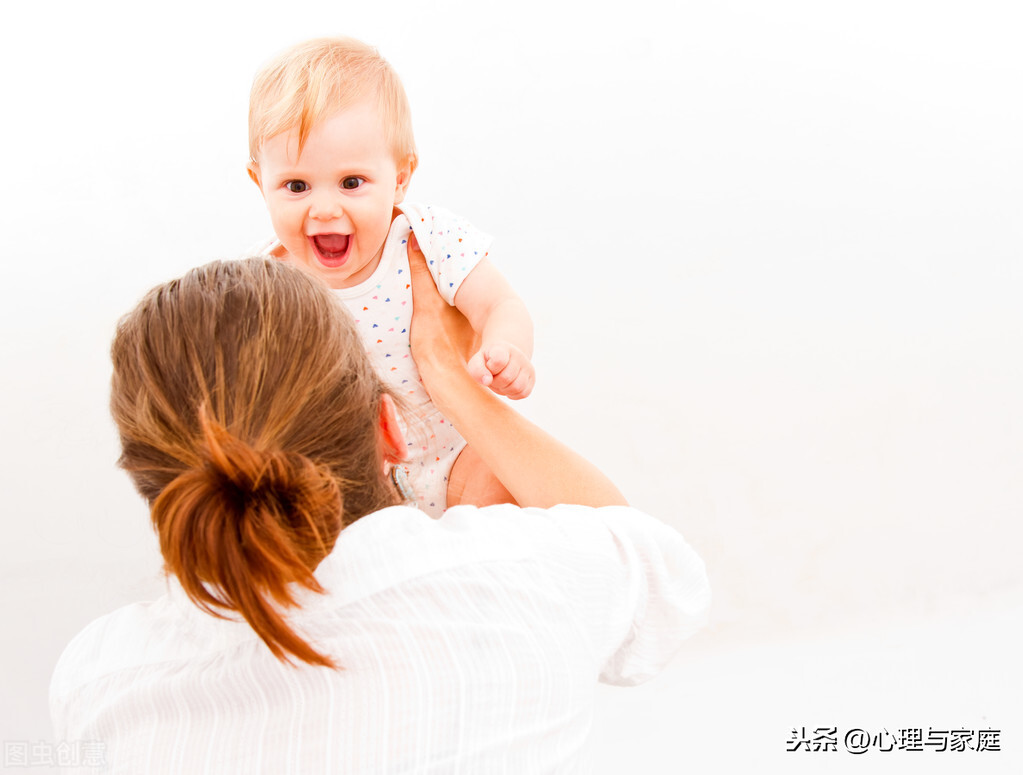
[(331, 249)]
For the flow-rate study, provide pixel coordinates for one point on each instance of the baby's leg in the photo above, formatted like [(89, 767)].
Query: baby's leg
[(472, 482)]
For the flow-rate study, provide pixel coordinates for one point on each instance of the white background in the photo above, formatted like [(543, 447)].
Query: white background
[(773, 252)]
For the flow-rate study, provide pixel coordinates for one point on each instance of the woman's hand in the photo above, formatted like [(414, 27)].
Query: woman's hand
[(442, 339), (537, 469)]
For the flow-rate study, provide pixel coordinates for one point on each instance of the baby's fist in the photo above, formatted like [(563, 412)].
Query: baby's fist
[(503, 368)]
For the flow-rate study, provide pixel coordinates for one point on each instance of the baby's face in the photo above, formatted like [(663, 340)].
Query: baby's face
[(332, 206)]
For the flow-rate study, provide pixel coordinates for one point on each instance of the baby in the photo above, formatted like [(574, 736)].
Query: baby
[(332, 151)]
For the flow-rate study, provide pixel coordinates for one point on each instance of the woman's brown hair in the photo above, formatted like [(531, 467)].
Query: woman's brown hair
[(248, 415)]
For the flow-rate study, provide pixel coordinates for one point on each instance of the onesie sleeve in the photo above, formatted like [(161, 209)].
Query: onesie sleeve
[(452, 246)]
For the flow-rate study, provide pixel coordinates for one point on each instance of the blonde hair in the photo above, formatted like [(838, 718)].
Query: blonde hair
[(314, 80), (248, 415)]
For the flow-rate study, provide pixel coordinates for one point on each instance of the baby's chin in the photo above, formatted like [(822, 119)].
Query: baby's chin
[(346, 275)]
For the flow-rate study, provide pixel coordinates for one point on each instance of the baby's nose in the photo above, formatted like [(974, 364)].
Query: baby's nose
[(326, 206)]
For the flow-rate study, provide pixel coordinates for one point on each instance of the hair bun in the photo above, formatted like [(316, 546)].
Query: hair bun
[(239, 531), (285, 488)]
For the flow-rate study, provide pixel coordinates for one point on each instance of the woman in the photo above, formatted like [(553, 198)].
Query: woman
[(312, 622)]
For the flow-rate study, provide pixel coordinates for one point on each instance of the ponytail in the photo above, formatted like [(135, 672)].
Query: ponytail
[(240, 529), (248, 414)]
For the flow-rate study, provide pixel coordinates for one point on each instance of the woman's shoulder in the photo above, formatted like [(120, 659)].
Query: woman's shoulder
[(398, 544), (411, 542), (635, 581), (503, 529), (163, 630), (107, 644), (595, 527), (634, 576)]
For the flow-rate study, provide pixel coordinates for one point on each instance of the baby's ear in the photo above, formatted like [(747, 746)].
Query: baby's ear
[(405, 170), (253, 169)]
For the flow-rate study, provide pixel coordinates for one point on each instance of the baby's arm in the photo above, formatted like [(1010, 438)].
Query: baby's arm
[(498, 315)]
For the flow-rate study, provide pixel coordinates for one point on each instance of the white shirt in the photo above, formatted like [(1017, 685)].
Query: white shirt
[(470, 644)]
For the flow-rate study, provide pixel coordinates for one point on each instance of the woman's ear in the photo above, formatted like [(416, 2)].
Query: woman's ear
[(392, 440)]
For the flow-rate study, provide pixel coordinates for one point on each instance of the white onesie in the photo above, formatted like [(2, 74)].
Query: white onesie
[(382, 308)]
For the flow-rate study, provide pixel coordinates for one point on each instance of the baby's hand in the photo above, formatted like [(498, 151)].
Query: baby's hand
[(503, 368)]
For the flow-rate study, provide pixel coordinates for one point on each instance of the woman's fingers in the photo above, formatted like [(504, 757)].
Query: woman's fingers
[(437, 327), (425, 296)]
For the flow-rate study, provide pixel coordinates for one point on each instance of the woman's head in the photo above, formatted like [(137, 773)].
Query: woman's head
[(250, 420)]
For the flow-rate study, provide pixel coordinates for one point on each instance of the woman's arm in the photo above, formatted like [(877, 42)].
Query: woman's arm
[(537, 469)]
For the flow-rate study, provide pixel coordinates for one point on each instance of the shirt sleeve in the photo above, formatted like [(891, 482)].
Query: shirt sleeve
[(452, 246), (633, 584), (663, 598)]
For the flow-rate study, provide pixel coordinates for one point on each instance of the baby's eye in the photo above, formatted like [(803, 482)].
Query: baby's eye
[(351, 183), (296, 186)]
